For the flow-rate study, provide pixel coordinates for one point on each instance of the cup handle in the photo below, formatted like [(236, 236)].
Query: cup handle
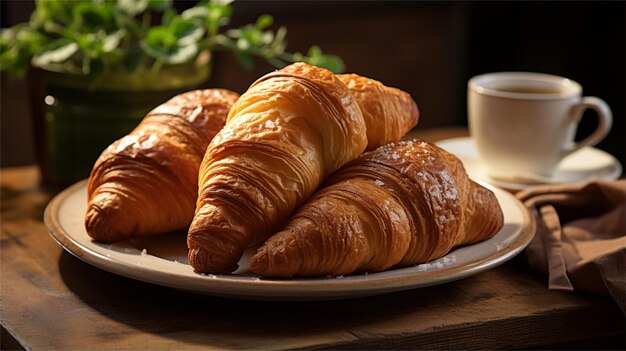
[(605, 120)]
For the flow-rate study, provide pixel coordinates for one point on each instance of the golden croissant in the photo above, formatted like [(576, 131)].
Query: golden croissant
[(389, 113), (146, 182), (283, 137), (396, 206)]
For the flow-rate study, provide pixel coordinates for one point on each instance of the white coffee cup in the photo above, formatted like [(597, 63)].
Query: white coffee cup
[(525, 123)]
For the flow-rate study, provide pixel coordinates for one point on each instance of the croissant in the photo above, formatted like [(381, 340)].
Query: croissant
[(283, 137), (389, 113), (399, 205), (146, 182)]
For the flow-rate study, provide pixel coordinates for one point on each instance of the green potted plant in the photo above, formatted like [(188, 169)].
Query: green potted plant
[(100, 66)]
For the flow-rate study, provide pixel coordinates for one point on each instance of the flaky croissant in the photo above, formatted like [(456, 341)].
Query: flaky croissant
[(283, 137), (146, 182), (389, 113), (398, 205)]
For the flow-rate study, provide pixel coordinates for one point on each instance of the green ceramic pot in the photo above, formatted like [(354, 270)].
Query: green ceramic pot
[(78, 116)]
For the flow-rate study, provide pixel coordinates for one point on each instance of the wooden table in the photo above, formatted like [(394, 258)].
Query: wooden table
[(51, 300)]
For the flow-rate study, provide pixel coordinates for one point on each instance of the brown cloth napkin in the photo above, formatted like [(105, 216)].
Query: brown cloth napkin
[(581, 236)]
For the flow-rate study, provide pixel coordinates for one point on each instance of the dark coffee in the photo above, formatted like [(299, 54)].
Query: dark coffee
[(530, 90)]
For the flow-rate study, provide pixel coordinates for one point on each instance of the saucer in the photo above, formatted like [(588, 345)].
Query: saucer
[(581, 166)]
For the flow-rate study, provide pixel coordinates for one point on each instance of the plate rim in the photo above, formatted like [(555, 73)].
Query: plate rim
[(285, 288)]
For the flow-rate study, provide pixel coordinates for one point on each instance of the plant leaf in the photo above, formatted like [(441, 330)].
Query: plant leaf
[(314, 51), (267, 37), (58, 12), (182, 54), (159, 5), (218, 15), (264, 21), (330, 62), (102, 35), (85, 41), (177, 55), (186, 31), (234, 33), (15, 49), (112, 41), (168, 16), (296, 57), (91, 17), (163, 45), (196, 13), (222, 2), (160, 36), (58, 51), (132, 7), (243, 44), (278, 45)]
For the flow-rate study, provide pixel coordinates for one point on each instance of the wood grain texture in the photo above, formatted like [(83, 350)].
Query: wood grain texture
[(51, 300)]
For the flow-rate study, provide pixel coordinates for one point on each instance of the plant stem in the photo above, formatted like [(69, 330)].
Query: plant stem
[(156, 66), (285, 56), (146, 21)]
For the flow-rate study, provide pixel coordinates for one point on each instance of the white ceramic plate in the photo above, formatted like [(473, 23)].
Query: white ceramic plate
[(162, 259), (581, 166)]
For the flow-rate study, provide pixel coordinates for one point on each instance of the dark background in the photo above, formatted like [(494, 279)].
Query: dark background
[(429, 49)]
